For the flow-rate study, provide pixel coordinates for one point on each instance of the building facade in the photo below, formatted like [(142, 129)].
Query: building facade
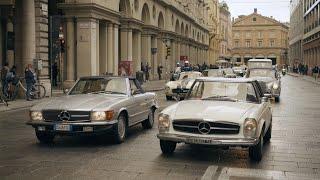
[(213, 25), (97, 37), (311, 37), (225, 27), (296, 32), (260, 37)]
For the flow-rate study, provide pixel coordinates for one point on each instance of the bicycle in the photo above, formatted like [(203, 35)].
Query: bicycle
[(38, 91)]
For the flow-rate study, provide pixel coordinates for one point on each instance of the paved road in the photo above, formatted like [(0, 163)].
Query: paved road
[(294, 149)]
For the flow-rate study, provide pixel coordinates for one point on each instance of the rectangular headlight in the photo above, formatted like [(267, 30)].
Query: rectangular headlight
[(102, 115), (164, 122), (249, 127), (36, 116)]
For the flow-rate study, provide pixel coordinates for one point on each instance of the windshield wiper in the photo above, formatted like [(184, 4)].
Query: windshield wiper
[(223, 98)]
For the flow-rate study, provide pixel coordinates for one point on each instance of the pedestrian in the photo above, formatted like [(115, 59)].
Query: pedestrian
[(4, 72), (147, 69), (30, 80), (54, 74), (306, 69), (143, 69), (159, 69)]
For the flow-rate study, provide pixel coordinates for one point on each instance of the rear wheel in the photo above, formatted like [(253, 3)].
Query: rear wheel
[(45, 137), (120, 129), (167, 147), (255, 152), (148, 123), (38, 92)]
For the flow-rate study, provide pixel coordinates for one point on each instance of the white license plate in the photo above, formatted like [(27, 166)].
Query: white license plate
[(199, 141), (62, 127)]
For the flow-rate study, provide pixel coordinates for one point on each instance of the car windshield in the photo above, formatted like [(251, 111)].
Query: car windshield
[(214, 73), (188, 75), (100, 86), (261, 73), (223, 91), (228, 71)]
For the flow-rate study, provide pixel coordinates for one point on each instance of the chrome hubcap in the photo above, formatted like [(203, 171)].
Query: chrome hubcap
[(121, 127)]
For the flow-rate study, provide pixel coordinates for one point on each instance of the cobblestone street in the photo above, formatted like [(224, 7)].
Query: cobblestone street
[(293, 153)]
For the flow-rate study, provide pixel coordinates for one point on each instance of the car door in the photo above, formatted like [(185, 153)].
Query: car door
[(137, 107)]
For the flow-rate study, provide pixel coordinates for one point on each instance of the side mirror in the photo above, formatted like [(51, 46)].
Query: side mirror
[(264, 99), (65, 91)]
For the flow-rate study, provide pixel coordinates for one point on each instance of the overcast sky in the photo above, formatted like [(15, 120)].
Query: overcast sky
[(279, 9)]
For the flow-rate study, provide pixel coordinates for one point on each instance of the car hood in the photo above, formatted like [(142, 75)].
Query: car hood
[(84, 102), (213, 110), (184, 83)]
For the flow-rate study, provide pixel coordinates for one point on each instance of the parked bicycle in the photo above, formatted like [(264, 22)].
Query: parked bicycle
[(38, 91)]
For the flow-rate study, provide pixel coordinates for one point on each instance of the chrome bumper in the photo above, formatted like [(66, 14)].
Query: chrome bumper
[(207, 140)]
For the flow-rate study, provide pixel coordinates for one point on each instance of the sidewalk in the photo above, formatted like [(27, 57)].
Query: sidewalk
[(22, 103), (304, 77)]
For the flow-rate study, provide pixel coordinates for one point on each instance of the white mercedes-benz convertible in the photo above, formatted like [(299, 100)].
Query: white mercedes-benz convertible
[(218, 111)]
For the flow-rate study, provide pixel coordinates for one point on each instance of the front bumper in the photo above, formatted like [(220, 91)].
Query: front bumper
[(208, 140), (73, 127)]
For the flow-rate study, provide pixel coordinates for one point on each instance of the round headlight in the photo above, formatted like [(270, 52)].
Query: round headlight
[(249, 127), (36, 116), (275, 86)]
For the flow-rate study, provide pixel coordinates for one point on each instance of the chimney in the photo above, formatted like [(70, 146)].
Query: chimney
[(255, 10)]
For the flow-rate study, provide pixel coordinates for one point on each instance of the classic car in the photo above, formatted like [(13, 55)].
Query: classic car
[(95, 105), (229, 73), (181, 86), (213, 73), (269, 79), (218, 111), (239, 70)]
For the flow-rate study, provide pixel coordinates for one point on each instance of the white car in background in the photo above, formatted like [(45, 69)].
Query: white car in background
[(181, 86), (221, 112), (213, 73), (229, 73)]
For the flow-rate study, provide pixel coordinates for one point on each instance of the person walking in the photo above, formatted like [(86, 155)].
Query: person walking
[(159, 71), (30, 80), (4, 72), (147, 69), (54, 74)]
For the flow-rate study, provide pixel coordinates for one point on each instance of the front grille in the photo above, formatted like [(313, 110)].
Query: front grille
[(263, 86), (54, 115), (180, 91), (215, 127)]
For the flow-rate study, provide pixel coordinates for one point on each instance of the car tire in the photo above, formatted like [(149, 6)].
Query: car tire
[(148, 123), (255, 152), (267, 136), (167, 147), (44, 137), (120, 129), (169, 98), (277, 99)]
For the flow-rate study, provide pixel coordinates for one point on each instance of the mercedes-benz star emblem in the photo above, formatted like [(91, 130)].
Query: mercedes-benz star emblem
[(64, 116), (204, 128)]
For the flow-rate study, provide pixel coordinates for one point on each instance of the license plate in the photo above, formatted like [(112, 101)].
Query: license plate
[(62, 127), (199, 141)]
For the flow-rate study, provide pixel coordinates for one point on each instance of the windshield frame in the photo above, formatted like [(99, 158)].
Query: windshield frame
[(100, 78), (257, 95)]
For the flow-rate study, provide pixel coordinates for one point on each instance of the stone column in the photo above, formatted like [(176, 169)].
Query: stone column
[(154, 44), (25, 38), (110, 60), (116, 49), (146, 48), (70, 54), (130, 39), (136, 52), (103, 53), (2, 60)]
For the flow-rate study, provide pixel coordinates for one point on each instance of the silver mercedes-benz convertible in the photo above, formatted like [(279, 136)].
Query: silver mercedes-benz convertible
[(218, 111), (95, 105)]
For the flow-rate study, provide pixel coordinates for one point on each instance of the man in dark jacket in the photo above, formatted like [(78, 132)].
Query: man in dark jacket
[(30, 80)]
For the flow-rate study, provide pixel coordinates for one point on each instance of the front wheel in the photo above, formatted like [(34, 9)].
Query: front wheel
[(277, 99), (167, 147), (120, 129), (255, 152), (267, 136), (148, 123), (45, 137)]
